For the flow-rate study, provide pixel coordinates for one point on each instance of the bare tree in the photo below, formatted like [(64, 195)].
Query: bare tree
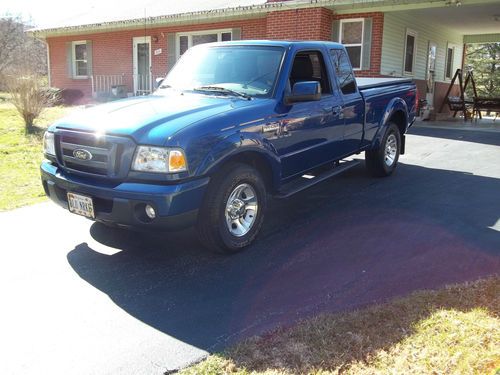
[(23, 65), (18, 50)]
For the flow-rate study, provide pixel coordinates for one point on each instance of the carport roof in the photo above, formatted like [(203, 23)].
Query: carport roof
[(467, 19)]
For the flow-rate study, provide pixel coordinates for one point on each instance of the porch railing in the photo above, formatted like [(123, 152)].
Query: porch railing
[(102, 83), (145, 84), (140, 84)]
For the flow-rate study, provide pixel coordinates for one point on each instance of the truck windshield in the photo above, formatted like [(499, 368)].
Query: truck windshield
[(226, 70)]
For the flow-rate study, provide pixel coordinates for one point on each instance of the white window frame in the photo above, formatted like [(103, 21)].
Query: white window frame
[(414, 34), (73, 58), (349, 20), (190, 35), (452, 70)]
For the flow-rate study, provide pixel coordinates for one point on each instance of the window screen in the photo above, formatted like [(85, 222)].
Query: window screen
[(409, 53), (80, 59), (351, 36)]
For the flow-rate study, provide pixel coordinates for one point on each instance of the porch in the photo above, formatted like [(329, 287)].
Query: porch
[(110, 86)]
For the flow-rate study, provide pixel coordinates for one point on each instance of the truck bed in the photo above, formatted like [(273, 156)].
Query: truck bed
[(368, 83)]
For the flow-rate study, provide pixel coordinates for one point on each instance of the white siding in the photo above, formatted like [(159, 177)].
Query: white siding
[(395, 25)]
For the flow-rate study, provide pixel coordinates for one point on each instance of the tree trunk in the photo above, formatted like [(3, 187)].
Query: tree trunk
[(28, 124)]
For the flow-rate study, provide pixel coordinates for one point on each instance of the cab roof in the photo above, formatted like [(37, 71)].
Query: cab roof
[(278, 43)]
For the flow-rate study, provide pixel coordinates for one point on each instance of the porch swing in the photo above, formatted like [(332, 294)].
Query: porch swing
[(462, 104)]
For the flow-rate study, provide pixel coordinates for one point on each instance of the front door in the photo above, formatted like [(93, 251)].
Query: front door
[(310, 133), (142, 65)]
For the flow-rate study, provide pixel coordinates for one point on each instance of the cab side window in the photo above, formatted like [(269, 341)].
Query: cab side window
[(343, 70), (310, 66)]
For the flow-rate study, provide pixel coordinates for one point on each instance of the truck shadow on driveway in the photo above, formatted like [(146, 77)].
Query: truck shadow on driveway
[(343, 244)]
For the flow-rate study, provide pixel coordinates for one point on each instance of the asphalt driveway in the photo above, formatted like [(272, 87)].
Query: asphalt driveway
[(80, 298)]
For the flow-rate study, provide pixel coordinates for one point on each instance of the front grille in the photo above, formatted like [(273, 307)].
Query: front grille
[(100, 162), (111, 155)]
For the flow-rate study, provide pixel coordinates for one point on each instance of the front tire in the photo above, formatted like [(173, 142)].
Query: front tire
[(383, 160), (233, 209)]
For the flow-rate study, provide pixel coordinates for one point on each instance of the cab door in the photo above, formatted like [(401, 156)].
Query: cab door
[(309, 132)]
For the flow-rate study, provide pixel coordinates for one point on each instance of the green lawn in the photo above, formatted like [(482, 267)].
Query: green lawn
[(455, 330), (20, 156)]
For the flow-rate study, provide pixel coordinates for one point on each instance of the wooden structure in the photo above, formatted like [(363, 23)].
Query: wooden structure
[(460, 103), (486, 104)]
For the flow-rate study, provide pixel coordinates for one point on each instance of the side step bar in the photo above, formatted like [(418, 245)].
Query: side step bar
[(310, 179)]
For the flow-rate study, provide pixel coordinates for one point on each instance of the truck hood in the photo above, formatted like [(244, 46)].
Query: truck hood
[(149, 119)]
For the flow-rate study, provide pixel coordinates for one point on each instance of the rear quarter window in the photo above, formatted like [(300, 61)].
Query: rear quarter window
[(343, 70)]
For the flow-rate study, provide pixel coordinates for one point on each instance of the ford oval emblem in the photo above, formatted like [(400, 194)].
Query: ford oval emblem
[(82, 154)]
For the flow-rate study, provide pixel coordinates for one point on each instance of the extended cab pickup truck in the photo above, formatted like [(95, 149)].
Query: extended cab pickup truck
[(231, 124)]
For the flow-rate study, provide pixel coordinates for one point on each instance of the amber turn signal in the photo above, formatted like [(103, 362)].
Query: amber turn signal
[(176, 161)]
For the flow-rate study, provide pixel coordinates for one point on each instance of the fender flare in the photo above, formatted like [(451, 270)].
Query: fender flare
[(237, 144), (395, 105)]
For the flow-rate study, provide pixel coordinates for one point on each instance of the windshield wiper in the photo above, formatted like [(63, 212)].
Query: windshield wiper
[(223, 91)]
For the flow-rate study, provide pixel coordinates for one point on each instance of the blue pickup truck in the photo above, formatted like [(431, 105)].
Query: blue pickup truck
[(231, 125)]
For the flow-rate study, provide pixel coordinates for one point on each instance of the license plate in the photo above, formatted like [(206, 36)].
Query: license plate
[(81, 205)]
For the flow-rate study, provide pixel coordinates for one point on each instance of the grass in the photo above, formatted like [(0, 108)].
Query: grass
[(455, 330), (20, 156)]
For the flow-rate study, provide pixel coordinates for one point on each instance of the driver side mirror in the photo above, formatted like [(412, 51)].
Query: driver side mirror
[(159, 81), (304, 92)]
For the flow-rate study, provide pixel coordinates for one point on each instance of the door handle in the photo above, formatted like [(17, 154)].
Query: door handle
[(337, 110)]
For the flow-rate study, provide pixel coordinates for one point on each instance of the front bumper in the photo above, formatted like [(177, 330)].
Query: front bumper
[(122, 204)]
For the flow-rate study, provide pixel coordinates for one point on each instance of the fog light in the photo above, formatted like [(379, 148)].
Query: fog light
[(150, 211)]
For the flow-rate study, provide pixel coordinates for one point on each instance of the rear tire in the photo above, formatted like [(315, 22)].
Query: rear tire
[(383, 160), (233, 209)]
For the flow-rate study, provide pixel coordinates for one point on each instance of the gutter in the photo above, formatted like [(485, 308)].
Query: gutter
[(243, 12)]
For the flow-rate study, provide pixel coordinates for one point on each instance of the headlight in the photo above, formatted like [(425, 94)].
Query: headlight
[(159, 159), (49, 147)]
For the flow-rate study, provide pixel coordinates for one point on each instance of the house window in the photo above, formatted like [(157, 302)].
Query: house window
[(188, 40), (410, 51), (80, 62), (351, 36), (450, 52)]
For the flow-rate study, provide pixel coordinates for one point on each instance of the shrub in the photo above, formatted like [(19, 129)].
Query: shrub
[(55, 94), (71, 96), (30, 98)]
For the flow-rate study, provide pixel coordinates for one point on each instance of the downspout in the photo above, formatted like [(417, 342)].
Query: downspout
[(48, 63), (48, 59)]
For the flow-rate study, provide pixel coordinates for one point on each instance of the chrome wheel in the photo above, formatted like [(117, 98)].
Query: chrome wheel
[(241, 210), (391, 150)]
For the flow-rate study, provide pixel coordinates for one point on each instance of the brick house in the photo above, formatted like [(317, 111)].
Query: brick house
[(423, 39)]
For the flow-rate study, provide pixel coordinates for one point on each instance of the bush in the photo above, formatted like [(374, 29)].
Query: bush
[(30, 98), (70, 96), (54, 93)]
